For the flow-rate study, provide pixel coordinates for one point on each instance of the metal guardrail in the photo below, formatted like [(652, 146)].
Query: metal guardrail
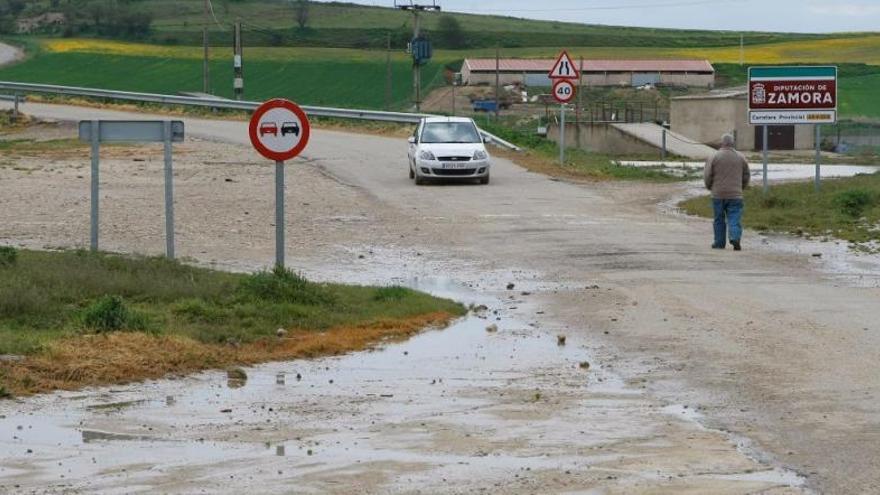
[(21, 99), (343, 113)]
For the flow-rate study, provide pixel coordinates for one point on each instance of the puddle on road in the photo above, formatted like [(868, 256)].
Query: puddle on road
[(455, 404)]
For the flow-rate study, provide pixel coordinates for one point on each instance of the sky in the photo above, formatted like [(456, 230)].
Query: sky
[(807, 16)]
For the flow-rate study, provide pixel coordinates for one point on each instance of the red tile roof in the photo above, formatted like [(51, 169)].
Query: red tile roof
[(591, 65)]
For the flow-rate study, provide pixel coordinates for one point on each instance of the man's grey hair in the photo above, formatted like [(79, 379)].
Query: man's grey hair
[(728, 141)]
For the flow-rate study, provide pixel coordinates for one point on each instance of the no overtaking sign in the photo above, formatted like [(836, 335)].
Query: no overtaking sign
[(279, 130)]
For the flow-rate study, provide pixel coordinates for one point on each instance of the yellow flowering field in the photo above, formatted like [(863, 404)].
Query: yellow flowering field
[(857, 49), (121, 48)]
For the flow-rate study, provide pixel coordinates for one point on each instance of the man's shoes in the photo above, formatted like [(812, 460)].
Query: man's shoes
[(736, 245), (716, 246)]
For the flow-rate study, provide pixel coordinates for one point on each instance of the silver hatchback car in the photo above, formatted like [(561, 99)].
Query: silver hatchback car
[(448, 148)]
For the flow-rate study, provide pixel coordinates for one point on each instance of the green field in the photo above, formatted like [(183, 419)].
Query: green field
[(337, 24), (357, 77), (859, 96), (346, 78)]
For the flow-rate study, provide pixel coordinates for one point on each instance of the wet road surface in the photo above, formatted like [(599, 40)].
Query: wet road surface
[(774, 354)]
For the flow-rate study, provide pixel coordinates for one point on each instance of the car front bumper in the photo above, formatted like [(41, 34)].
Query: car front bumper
[(474, 169)]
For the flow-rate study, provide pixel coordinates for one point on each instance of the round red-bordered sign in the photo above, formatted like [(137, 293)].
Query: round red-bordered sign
[(563, 90), (279, 129)]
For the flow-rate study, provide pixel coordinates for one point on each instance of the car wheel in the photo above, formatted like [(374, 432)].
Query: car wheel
[(420, 181), (412, 174), (484, 180)]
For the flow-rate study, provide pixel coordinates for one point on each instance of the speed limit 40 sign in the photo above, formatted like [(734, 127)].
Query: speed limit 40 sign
[(563, 90)]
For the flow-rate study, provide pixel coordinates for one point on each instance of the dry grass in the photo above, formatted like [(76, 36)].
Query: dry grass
[(114, 358)]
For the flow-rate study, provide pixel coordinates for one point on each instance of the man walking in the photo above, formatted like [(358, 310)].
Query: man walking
[(726, 175)]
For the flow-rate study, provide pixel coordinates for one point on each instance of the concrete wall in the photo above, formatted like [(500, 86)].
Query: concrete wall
[(592, 78), (488, 78), (600, 138), (695, 80), (706, 120)]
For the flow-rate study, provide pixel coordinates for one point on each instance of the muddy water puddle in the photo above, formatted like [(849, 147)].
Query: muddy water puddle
[(450, 410)]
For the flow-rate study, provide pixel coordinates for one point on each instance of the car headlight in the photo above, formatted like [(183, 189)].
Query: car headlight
[(480, 155), (427, 155)]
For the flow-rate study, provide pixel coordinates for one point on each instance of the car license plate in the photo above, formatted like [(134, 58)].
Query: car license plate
[(454, 166)]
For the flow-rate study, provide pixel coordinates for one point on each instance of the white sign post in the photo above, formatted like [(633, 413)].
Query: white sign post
[(149, 131), (279, 130), (562, 74)]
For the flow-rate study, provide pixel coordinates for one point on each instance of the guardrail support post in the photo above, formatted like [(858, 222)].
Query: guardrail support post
[(169, 193), (279, 214), (95, 134), (15, 107)]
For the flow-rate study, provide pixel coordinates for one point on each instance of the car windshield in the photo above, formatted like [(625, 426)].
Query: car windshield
[(450, 132)]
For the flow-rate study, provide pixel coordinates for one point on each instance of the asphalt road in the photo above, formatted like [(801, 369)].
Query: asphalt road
[(772, 345)]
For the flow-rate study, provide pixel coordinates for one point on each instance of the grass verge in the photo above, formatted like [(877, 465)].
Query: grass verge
[(541, 155), (847, 209), (79, 318)]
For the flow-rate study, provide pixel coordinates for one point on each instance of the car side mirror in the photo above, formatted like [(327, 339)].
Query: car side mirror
[(412, 140)]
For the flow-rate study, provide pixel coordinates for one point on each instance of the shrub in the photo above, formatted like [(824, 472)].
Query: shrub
[(283, 285), (8, 256), (854, 202), (109, 314), (4, 394)]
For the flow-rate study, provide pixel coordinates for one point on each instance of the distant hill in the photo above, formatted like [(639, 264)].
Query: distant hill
[(346, 25)]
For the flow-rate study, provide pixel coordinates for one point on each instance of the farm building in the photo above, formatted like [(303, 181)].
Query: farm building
[(533, 72), (704, 118)]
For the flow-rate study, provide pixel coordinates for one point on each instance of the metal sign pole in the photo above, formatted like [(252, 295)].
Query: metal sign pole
[(818, 158), (96, 140), (766, 186), (279, 214), (169, 193), (562, 134), (663, 148)]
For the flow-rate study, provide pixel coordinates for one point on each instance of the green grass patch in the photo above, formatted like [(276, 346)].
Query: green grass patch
[(46, 296), (847, 209), (542, 155)]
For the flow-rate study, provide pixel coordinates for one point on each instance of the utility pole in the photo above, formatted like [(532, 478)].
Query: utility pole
[(205, 76), (497, 83), (416, 9), (238, 81), (388, 73)]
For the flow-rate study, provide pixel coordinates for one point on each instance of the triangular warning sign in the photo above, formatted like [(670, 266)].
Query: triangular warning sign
[(564, 68)]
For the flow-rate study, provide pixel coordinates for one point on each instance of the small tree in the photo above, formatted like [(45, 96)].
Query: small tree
[(301, 10), (449, 33)]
